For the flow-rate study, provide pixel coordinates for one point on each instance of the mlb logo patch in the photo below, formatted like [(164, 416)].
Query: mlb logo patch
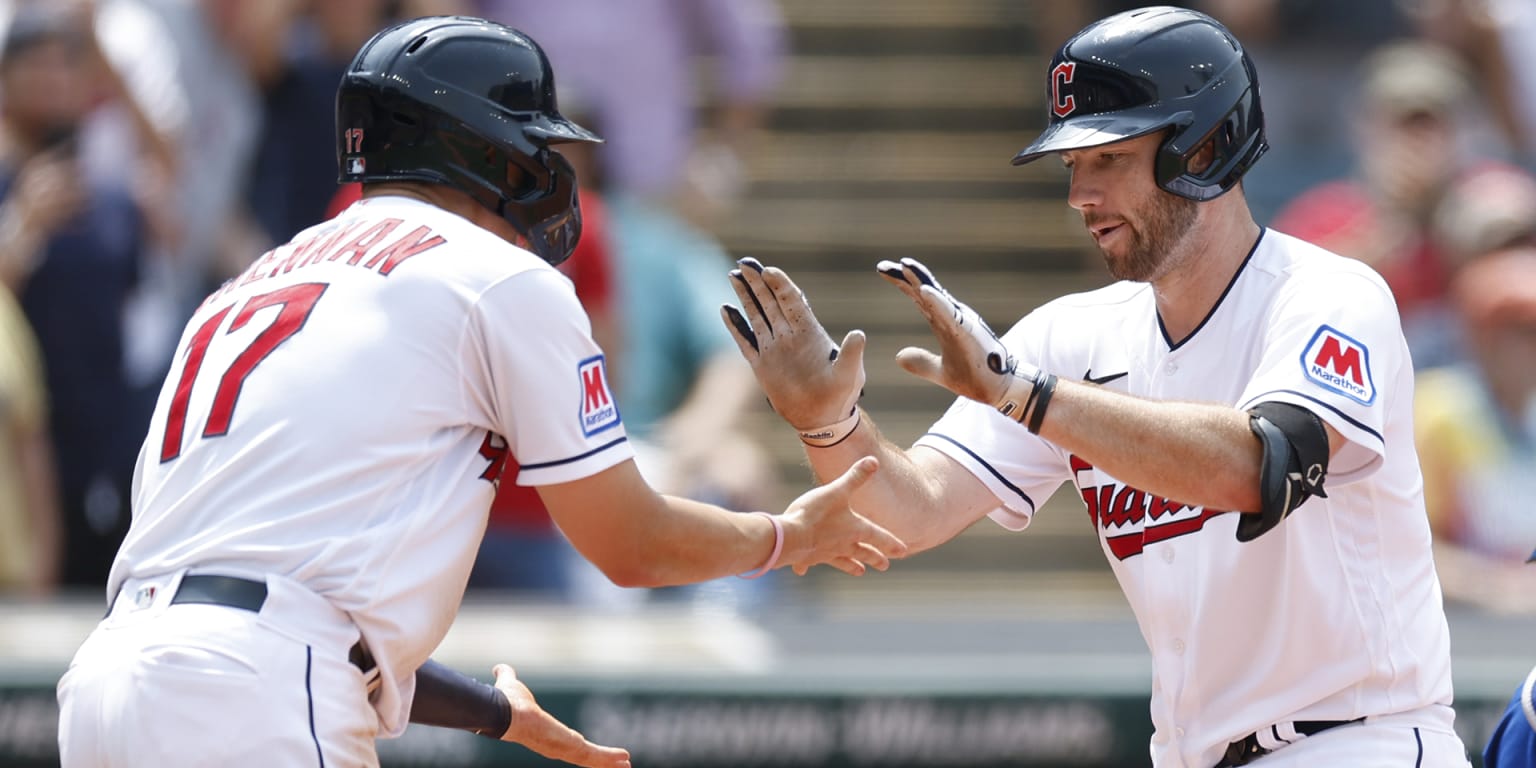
[(356, 165), (1339, 363), (598, 409)]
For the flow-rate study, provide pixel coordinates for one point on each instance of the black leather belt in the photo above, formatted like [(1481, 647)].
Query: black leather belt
[(246, 594), (209, 589), (1246, 751)]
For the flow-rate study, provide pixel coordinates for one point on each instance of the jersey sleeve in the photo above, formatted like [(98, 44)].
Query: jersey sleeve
[(1335, 346), (543, 382), (1021, 469)]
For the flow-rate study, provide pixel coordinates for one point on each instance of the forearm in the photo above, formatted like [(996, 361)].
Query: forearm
[(1199, 454), (640, 538), (903, 497), (448, 699), (695, 541)]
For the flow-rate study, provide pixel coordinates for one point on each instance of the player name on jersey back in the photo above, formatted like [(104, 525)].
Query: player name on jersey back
[(351, 241)]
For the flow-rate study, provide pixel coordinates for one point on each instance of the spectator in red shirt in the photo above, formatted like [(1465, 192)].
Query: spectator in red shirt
[(1413, 98)]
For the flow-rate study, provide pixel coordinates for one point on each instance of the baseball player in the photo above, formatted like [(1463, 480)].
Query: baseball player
[(315, 482), (1234, 413)]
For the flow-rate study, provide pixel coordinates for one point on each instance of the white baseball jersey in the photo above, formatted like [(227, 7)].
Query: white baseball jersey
[(338, 414), (1333, 615)]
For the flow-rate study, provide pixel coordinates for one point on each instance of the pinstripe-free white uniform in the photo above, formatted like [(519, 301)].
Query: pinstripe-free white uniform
[(1334, 615), (333, 425)]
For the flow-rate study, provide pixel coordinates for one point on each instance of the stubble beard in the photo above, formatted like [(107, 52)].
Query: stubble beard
[(1168, 221)]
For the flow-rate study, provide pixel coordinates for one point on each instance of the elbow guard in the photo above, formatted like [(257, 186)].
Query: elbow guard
[(1294, 466)]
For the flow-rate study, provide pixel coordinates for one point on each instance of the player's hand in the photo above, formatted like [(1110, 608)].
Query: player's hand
[(973, 363), (820, 528), (809, 380), (539, 731)]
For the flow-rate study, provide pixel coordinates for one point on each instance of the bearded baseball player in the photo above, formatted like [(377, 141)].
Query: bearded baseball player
[(1235, 413), (317, 475)]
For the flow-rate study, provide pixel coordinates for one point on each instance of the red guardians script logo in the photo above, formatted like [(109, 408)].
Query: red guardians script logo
[(598, 410), (1128, 519)]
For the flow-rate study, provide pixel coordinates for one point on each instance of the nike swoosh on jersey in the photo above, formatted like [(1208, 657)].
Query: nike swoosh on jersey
[(1088, 377)]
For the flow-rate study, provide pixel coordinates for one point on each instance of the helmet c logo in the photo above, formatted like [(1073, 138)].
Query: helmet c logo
[(1062, 104)]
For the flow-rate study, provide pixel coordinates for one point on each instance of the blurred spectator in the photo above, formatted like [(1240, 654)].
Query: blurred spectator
[(296, 148), (29, 510), (1494, 38), (634, 67), (1408, 140), (72, 253), (1491, 207), (183, 64), (1476, 434), (1308, 52)]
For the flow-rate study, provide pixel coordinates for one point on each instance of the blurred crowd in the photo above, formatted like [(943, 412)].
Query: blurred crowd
[(149, 149)]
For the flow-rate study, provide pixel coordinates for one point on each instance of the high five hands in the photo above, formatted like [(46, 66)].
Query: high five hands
[(972, 362), (811, 381)]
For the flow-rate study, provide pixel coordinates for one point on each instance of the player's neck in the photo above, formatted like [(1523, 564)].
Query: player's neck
[(451, 200), (1200, 275)]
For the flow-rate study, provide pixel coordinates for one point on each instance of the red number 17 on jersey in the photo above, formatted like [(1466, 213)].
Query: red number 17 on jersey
[(297, 301)]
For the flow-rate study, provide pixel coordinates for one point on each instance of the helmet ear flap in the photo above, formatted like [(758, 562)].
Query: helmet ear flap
[(549, 216)]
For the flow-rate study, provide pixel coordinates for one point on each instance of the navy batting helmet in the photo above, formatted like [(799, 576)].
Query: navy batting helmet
[(470, 104), (1157, 69)]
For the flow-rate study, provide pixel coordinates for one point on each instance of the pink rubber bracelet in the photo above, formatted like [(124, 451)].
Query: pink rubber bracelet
[(778, 547)]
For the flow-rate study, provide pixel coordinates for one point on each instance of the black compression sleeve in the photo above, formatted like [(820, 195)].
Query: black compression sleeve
[(448, 699)]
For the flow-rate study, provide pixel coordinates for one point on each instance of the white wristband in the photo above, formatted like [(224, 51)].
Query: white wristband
[(832, 434)]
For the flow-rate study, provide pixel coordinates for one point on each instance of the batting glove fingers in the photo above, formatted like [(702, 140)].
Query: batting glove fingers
[(973, 361), (809, 379)]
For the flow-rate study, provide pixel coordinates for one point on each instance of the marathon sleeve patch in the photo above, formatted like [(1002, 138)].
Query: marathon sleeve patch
[(599, 411), (1339, 363)]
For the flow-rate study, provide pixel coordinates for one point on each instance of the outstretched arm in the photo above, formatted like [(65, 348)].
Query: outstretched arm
[(920, 495), (506, 711), (1202, 454), (640, 538)]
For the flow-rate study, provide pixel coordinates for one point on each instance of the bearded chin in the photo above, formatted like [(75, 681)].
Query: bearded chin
[(1163, 229)]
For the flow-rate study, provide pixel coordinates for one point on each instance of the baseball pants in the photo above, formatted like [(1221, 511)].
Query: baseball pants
[(1420, 739), (168, 684)]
